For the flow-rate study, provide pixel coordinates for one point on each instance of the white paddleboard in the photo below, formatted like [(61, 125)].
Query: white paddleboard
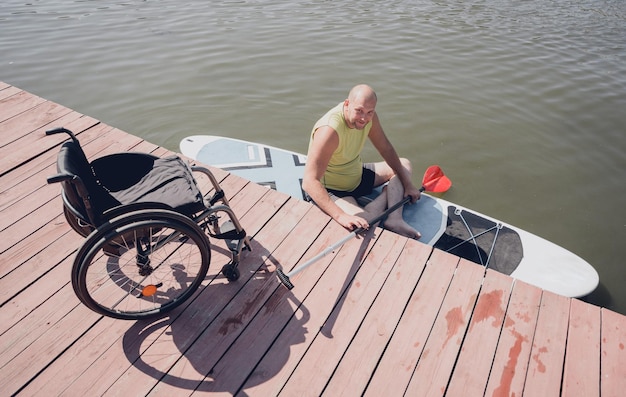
[(444, 225)]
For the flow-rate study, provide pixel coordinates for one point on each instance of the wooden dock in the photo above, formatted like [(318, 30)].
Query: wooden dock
[(381, 316)]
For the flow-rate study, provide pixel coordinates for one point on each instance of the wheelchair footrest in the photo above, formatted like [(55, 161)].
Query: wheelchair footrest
[(229, 232), (234, 245)]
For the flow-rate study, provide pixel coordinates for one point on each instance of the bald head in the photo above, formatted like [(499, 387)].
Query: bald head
[(362, 93), (360, 107)]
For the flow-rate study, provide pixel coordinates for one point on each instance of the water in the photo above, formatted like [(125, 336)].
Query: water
[(523, 103)]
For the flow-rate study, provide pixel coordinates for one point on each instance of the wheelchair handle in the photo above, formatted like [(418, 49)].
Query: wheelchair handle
[(60, 130)]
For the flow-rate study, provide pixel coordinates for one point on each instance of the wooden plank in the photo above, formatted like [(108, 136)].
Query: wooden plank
[(117, 356), (37, 355), (102, 140), (548, 353), (35, 143), (109, 142), (279, 309), (275, 307), (34, 256), (28, 338), (272, 372), (18, 231), (200, 358), (18, 103), (4, 86), (474, 364), (581, 375), (172, 342), (107, 365), (27, 187), (20, 306), (19, 332), (360, 360), (21, 183), (407, 343), (33, 190), (26, 216), (56, 378), (345, 318), (256, 337), (510, 364), (105, 334), (613, 360), (33, 119), (8, 91), (442, 347), (35, 165)]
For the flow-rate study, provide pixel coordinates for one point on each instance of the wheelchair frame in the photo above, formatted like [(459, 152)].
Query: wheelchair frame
[(141, 258)]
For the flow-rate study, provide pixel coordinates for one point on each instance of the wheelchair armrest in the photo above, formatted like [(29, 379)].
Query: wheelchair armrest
[(219, 193), (60, 178)]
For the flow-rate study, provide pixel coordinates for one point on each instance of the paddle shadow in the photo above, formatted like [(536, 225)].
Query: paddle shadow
[(327, 327)]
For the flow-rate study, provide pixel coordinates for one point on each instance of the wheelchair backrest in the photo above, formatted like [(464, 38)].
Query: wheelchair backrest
[(120, 182), (83, 195)]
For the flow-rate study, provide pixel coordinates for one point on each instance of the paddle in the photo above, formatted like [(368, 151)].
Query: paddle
[(434, 181)]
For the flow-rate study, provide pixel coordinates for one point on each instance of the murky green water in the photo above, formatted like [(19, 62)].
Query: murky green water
[(523, 103)]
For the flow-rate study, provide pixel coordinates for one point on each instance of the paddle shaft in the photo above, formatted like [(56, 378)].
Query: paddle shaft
[(341, 242)]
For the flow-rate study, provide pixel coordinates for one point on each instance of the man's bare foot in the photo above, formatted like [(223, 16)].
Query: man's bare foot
[(401, 227)]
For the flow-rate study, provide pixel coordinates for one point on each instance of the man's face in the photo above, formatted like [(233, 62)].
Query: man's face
[(359, 112)]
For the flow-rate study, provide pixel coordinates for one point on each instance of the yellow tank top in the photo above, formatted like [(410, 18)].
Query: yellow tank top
[(345, 166)]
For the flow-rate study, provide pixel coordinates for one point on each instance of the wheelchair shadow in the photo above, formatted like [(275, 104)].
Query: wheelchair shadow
[(215, 334)]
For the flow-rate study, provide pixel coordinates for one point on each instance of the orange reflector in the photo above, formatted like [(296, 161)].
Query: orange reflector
[(149, 290)]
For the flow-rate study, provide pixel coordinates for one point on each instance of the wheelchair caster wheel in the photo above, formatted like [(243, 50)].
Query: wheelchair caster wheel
[(231, 272)]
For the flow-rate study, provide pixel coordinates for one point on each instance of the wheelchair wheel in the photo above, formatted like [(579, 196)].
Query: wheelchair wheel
[(141, 264)]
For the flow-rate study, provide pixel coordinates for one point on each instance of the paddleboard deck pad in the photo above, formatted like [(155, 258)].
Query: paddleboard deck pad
[(443, 225)]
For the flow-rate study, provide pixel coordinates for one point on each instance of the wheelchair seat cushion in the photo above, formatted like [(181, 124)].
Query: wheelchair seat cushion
[(136, 177)]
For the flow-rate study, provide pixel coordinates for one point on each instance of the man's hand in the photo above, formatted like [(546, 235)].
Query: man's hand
[(413, 192), (352, 222)]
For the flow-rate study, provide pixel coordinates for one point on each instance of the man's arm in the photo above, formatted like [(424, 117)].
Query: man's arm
[(380, 141), (324, 144)]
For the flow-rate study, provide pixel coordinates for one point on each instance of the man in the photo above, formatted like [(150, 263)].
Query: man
[(335, 176)]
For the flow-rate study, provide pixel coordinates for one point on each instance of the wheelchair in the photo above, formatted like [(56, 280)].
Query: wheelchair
[(147, 227)]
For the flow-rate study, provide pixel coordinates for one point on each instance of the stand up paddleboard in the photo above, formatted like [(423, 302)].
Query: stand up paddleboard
[(443, 225)]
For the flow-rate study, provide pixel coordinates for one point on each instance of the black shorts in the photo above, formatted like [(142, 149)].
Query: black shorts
[(365, 187)]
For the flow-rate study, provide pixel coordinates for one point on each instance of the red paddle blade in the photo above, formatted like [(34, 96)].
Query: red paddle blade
[(433, 172), (435, 181)]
